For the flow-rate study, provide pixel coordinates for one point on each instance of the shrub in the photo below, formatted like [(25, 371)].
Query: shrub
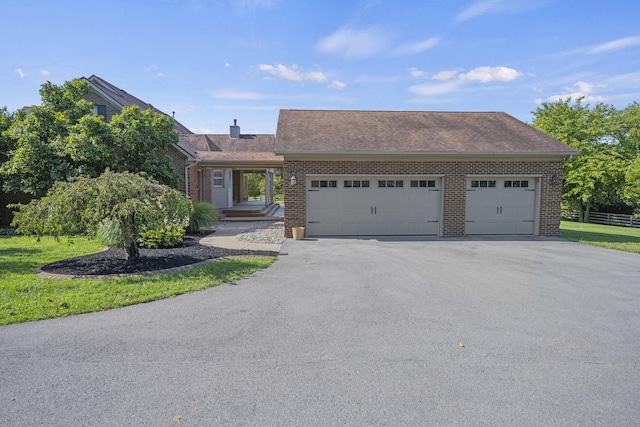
[(165, 236), (202, 215), (109, 234)]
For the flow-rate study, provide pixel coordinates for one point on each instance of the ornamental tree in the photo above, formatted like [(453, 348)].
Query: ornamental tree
[(132, 201)]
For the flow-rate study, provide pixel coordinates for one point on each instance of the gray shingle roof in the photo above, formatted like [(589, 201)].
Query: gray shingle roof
[(127, 100), (222, 148), (410, 132)]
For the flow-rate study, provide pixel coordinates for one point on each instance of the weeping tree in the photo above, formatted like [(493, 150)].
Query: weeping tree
[(136, 204)]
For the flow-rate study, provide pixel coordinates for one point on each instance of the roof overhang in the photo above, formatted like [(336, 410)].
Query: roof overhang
[(103, 94), (378, 155)]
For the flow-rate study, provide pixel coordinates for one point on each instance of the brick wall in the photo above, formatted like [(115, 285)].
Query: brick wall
[(454, 183), (99, 100)]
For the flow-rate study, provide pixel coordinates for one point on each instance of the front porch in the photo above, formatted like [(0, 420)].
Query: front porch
[(255, 210)]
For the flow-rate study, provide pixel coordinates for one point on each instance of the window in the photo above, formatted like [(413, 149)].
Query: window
[(199, 184), (324, 184), (100, 110), (218, 178), (356, 184), (390, 183), (516, 184), (483, 183), (423, 183)]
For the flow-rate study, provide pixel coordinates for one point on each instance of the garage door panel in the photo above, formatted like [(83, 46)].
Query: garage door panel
[(505, 207), (390, 209)]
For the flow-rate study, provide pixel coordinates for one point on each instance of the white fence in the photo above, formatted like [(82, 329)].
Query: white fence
[(621, 220)]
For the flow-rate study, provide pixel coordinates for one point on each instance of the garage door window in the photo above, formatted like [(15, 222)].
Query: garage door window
[(324, 184), (390, 183), (356, 184), (483, 183), (516, 184), (423, 183)]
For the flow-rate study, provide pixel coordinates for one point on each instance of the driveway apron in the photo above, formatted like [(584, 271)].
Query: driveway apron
[(353, 332)]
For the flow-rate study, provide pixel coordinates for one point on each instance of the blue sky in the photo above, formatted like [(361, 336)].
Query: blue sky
[(212, 61)]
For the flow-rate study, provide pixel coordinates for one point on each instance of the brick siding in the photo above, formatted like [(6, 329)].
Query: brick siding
[(454, 184), (96, 99)]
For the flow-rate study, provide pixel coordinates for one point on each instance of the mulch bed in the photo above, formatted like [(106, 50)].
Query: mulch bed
[(112, 261)]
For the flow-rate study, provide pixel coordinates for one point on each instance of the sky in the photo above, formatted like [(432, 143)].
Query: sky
[(213, 61)]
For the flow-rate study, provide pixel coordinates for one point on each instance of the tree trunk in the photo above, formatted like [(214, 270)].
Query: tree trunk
[(587, 210), (580, 212), (131, 251)]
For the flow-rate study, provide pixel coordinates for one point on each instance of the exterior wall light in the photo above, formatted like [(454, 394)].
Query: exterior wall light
[(555, 179), (294, 180)]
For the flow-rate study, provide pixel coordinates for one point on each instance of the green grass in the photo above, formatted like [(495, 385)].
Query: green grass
[(606, 236), (26, 297)]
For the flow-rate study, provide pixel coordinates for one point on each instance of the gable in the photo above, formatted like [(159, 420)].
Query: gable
[(118, 98)]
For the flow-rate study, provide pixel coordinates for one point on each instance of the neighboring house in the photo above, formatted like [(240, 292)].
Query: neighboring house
[(219, 164), (418, 173), (108, 100)]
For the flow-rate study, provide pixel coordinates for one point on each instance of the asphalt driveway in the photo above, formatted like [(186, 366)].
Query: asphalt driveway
[(353, 332)]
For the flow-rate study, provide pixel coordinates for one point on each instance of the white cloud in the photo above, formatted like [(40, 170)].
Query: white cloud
[(337, 84), (580, 90), (490, 74), (452, 81), (20, 72), (445, 75), (436, 88), (616, 44), (353, 43), (44, 72), (415, 48), (160, 74), (417, 73), (484, 7), (227, 65), (478, 8), (293, 73)]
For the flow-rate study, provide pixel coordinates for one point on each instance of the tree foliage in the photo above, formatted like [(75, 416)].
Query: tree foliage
[(608, 141), (62, 139), (85, 204)]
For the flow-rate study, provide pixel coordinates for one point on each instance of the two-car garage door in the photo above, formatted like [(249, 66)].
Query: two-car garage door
[(413, 205), (374, 205)]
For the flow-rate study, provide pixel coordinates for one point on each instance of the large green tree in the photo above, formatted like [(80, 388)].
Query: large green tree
[(132, 202), (607, 148), (62, 138)]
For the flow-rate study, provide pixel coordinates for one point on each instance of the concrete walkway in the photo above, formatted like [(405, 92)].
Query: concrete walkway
[(226, 235)]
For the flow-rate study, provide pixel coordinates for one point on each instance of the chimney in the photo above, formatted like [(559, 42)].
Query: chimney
[(234, 131)]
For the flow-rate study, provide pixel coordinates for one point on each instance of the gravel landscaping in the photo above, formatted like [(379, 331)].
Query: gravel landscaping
[(264, 232)]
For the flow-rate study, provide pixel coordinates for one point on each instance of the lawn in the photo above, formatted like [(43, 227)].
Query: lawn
[(26, 297), (607, 236)]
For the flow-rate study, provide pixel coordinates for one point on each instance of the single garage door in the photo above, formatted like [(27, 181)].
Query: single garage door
[(501, 205), (373, 205)]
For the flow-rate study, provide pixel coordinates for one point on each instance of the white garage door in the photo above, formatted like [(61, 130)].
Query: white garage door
[(500, 205), (373, 205)]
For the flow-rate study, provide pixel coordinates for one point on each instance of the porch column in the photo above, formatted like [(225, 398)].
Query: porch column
[(268, 187)]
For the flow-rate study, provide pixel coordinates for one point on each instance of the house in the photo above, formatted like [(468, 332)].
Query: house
[(418, 173), (108, 100), (214, 167), (219, 164)]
